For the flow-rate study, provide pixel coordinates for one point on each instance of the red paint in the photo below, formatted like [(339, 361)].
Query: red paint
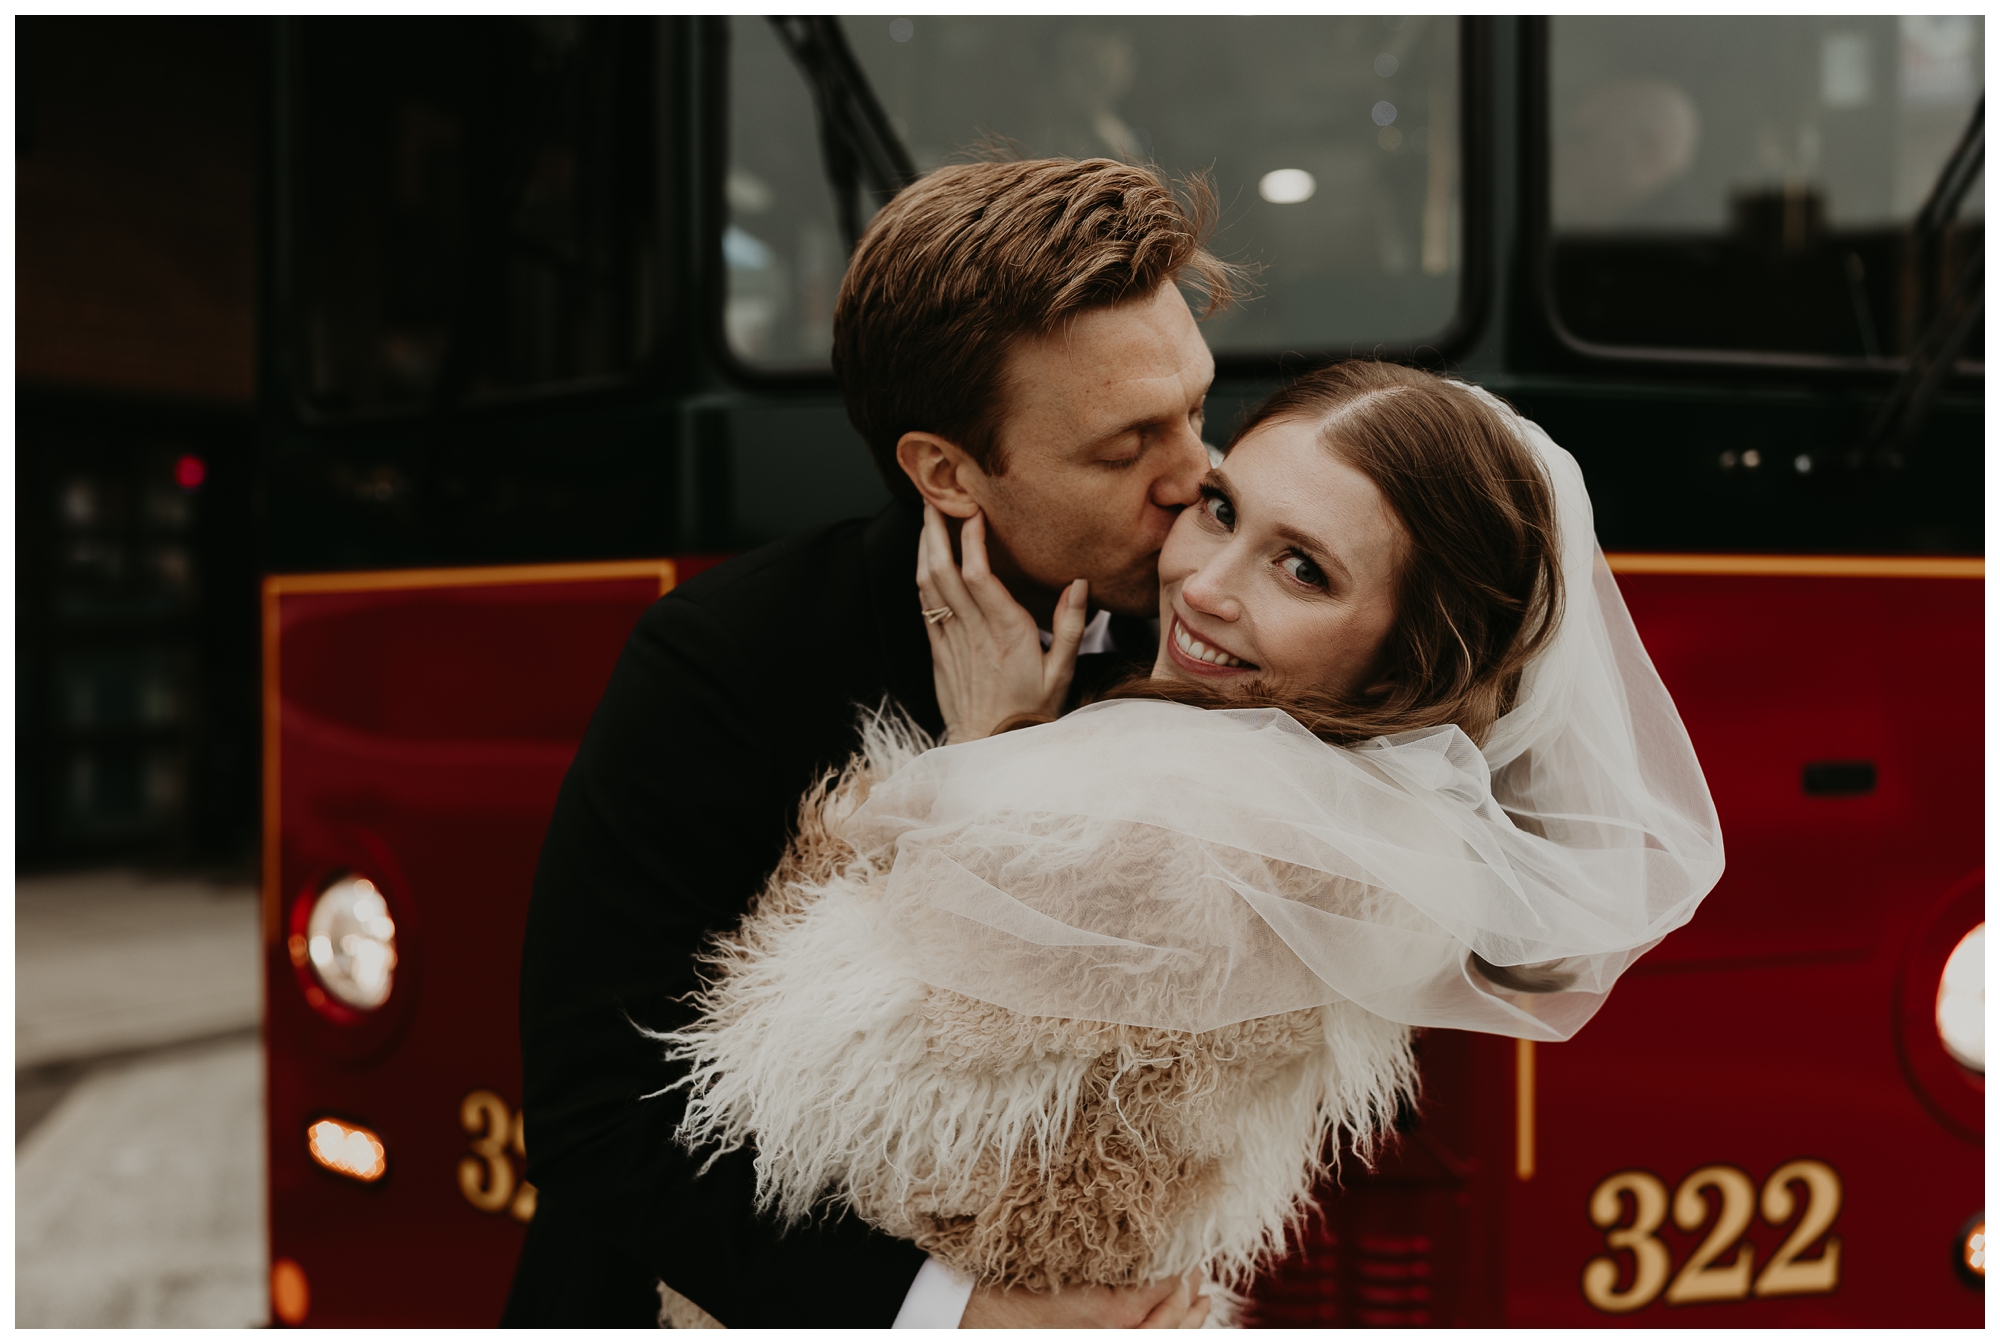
[(424, 733)]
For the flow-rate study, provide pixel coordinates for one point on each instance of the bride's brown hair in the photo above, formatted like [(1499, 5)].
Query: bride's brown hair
[(1479, 592)]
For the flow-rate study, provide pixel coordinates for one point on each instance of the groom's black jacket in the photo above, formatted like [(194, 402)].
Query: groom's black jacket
[(733, 694)]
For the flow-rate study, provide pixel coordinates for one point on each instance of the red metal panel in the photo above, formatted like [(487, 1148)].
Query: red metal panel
[(423, 723), (420, 725), (1789, 1020)]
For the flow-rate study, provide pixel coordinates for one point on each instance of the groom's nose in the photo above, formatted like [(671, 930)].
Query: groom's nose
[(1183, 463)]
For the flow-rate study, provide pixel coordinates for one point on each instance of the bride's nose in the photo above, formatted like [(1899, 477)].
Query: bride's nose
[(1209, 590)]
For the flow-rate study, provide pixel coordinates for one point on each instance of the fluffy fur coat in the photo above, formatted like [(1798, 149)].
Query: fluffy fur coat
[(1030, 1151)]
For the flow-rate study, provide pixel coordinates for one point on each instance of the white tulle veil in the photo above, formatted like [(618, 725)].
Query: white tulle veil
[(1153, 864)]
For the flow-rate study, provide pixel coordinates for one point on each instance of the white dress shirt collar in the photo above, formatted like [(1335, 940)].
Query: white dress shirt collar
[(1096, 635)]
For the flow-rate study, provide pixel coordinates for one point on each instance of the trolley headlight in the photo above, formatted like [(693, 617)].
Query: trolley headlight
[(1969, 1257), (1961, 1001), (351, 943)]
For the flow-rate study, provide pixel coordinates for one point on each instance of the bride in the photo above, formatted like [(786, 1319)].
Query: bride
[(1095, 999)]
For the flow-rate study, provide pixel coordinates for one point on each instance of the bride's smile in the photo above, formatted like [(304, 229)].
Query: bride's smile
[(1284, 573), (1205, 656)]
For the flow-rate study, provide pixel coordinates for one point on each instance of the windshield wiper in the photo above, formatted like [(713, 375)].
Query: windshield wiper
[(1960, 171), (857, 145), (1895, 424)]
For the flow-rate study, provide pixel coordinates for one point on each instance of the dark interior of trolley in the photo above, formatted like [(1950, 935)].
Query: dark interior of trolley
[(369, 292)]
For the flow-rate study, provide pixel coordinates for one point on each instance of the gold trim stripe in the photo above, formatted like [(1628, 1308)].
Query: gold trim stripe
[(1524, 1109), (386, 580), (271, 722), (393, 580), (1815, 566)]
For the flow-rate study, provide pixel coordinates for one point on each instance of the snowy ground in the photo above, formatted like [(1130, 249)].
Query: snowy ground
[(139, 1156)]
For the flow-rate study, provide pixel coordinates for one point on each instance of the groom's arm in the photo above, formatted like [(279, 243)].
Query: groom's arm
[(677, 806)]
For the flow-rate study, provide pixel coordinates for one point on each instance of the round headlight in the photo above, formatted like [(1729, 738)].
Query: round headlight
[(1961, 1001), (351, 942)]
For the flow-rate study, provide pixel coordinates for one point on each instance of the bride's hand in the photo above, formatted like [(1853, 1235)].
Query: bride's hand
[(987, 656)]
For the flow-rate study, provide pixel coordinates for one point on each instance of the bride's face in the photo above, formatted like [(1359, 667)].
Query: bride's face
[(1283, 573)]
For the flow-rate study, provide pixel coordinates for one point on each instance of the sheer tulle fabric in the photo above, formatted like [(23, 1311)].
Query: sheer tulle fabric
[(1156, 865)]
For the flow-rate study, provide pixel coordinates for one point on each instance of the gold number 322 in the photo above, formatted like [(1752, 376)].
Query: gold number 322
[(486, 1175), (1705, 1277)]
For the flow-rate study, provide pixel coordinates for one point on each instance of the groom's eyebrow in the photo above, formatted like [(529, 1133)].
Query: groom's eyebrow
[(1138, 427), (1144, 423), (1113, 435)]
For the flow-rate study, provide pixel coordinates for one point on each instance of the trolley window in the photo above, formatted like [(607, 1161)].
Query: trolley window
[(1760, 184), (1333, 142), (471, 208)]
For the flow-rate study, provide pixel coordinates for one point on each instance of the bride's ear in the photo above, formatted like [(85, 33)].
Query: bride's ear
[(941, 471)]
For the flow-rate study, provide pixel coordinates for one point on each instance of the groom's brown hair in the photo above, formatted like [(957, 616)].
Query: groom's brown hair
[(974, 255)]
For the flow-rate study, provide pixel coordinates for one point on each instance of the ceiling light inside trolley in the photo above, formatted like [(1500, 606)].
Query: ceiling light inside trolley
[(1961, 1001), (352, 943), (1287, 186), (347, 1150)]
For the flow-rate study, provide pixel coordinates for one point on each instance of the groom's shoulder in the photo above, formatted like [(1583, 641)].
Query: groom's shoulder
[(822, 563), (776, 595)]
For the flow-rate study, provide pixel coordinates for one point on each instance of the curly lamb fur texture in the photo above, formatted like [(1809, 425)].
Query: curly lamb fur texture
[(1031, 1151)]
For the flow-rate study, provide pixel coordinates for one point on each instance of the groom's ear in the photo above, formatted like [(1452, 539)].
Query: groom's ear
[(941, 471)]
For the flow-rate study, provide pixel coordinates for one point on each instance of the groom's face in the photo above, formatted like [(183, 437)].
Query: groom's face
[(1100, 449)]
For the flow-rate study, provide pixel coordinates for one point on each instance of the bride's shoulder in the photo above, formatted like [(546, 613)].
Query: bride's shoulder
[(1150, 715)]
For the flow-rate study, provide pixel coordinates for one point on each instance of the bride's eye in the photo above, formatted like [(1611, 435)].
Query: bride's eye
[(1304, 570), (1219, 508)]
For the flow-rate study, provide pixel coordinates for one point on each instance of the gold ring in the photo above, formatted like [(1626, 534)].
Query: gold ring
[(937, 615)]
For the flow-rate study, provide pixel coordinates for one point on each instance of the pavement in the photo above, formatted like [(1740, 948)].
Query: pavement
[(139, 1154)]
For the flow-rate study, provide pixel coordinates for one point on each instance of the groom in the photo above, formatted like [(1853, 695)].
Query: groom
[(1011, 339)]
